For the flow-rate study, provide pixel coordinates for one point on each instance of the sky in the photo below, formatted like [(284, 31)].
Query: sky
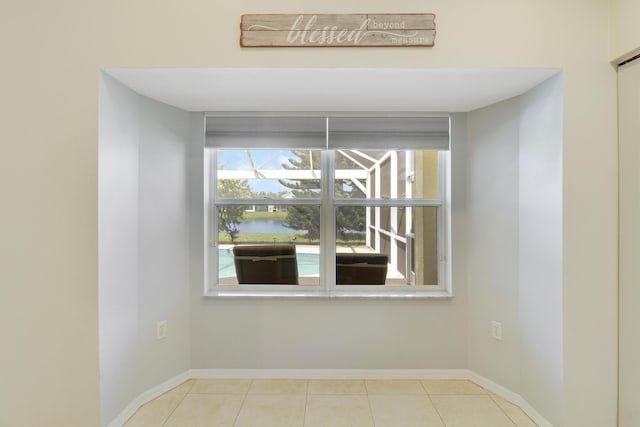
[(262, 159)]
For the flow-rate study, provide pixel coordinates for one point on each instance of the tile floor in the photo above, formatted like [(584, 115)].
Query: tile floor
[(330, 403)]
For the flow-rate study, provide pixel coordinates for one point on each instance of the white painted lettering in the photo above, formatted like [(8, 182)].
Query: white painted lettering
[(294, 33), (389, 25), (308, 27), (340, 38), (303, 33), (357, 35)]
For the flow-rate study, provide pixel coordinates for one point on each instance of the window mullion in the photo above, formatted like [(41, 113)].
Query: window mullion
[(388, 202), (211, 243), (280, 202), (328, 222)]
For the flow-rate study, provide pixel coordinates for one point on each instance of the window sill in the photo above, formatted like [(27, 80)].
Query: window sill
[(389, 295)]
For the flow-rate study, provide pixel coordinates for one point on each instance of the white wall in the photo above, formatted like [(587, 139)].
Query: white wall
[(625, 42), (506, 259), (320, 334), (53, 54), (118, 226), (629, 104), (514, 273), (164, 241), (492, 247), (144, 249), (540, 297), (625, 32)]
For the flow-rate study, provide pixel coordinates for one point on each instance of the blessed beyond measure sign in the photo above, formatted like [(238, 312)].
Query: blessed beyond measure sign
[(294, 30)]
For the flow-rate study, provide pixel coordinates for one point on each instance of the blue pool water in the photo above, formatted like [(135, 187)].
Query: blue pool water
[(308, 264), (264, 226)]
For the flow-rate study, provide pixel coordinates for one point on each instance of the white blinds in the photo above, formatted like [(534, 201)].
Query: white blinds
[(374, 133)]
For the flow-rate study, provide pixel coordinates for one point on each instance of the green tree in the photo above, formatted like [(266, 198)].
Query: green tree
[(302, 217), (230, 216), (350, 220)]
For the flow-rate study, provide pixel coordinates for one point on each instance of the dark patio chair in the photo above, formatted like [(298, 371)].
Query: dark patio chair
[(361, 269), (266, 264)]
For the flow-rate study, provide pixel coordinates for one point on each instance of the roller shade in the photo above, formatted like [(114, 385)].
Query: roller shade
[(383, 133), (266, 132)]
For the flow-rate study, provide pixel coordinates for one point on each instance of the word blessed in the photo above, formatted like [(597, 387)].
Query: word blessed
[(330, 30), (303, 33)]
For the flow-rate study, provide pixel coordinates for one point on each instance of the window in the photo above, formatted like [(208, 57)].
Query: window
[(337, 205)]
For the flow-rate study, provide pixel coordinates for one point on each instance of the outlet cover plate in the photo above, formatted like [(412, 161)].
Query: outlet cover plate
[(161, 330), (496, 330)]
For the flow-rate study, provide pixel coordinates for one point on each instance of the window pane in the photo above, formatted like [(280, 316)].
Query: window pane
[(268, 173), (264, 225), (409, 253), (398, 174), (425, 175)]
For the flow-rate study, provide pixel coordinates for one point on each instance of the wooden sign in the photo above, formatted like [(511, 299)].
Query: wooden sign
[(388, 30)]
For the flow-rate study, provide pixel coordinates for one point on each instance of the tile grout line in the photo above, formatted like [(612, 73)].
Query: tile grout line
[(433, 403), (373, 419), (437, 411), (174, 409), (244, 398), (503, 411), (423, 386), (306, 404)]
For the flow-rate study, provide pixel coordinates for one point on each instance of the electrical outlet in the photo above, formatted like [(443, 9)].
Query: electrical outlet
[(496, 330), (161, 329)]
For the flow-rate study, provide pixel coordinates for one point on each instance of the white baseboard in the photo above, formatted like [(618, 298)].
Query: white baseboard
[(332, 374), (512, 397), (148, 396), (366, 374)]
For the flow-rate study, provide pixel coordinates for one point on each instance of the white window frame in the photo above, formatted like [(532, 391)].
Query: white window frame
[(327, 287)]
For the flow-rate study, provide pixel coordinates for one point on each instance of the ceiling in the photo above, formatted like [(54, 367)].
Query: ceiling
[(330, 89)]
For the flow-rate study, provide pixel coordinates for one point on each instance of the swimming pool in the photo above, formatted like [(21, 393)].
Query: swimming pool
[(308, 264)]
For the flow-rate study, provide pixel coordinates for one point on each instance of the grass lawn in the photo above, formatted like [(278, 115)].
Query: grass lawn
[(280, 238), (274, 216), (266, 238), (293, 237)]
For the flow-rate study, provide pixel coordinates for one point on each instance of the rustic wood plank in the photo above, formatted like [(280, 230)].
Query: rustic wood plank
[(372, 38), (272, 22), (324, 30), (414, 21)]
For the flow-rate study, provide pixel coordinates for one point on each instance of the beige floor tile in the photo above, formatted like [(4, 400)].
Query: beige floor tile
[(404, 410), (278, 410), (470, 411), (206, 410), (336, 387), (183, 388), (338, 411), (394, 387), (276, 386), (452, 387), (220, 386), (156, 412), (514, 412)]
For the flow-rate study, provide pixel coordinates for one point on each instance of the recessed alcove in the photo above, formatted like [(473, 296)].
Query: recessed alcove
[(507, 233)]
